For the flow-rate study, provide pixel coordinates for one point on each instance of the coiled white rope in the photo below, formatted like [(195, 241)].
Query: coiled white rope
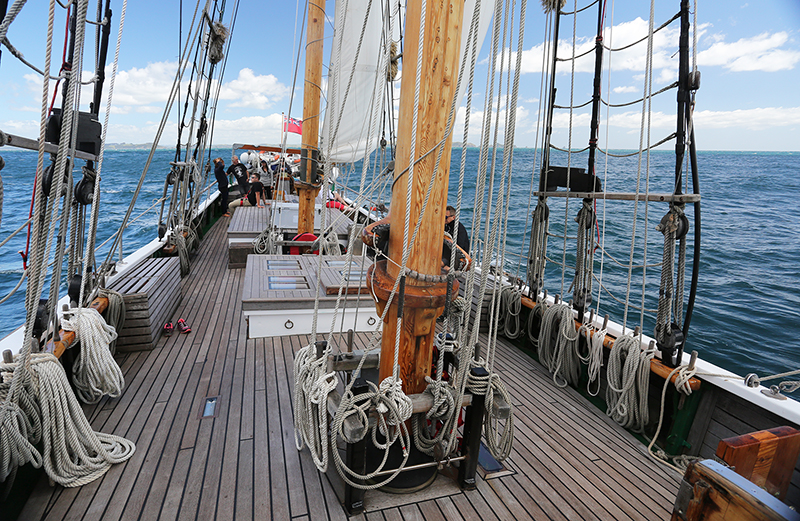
[(510, 309), (74, 454), (311, 389), (560, 357), (594, 356), (115, 312), (628, 375), (95, 372), (21, 425)]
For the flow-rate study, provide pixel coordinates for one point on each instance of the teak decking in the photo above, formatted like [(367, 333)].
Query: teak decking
[(569, 461)]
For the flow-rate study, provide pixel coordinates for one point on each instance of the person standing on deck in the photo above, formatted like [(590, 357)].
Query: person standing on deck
[(222, 184), (239, 172), (462, 239), (266, 178)]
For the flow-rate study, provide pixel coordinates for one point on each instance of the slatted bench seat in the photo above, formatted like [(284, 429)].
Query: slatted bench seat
[(151, 292), (248, 222)]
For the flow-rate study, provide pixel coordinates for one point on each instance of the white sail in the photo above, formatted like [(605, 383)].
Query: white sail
[(356, 85), (351, 102)]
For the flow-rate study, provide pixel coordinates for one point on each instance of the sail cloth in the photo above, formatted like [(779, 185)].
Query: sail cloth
[(351, 104)]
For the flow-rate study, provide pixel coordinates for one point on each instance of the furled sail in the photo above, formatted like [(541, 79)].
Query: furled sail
[(356, 83)]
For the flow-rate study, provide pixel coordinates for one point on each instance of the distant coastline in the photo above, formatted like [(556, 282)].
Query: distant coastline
[(148, 146)]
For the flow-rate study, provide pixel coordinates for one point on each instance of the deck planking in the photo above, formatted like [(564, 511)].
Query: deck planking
[(569, 460)]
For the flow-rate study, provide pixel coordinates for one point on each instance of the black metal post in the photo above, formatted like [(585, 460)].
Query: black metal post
[(473, 426), (683, 94), (550, 106), (100, 71), (598, 68), (356, 459), (3, 9)]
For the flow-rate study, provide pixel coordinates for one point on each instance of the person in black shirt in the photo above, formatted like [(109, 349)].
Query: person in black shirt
[(462, 239), (222, 184), (239, 172), (254, 197)]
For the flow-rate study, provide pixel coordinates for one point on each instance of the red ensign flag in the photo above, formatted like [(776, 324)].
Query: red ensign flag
[(293, 125)]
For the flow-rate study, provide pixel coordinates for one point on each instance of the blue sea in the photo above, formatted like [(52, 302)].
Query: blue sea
[(746, 316)]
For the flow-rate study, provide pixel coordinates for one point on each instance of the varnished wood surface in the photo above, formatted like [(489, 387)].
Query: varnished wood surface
[(569, 461)]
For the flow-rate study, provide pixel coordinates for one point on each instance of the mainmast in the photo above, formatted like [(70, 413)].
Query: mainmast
[(308, 186), (418, 302)]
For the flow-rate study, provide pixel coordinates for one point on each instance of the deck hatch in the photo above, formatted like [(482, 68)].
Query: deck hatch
[(283, 264), (354, 275), (342, 264), (209, 407), (287, 282)]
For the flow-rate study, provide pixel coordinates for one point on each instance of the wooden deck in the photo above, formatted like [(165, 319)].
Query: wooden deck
[(569, 461)]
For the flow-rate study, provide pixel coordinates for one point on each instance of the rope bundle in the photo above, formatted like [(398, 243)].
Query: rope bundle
[(96, 373), (560, 357), (510, 309), (311, 389), (74, 454), (594, 356), (21, 424), (628, 383), (115, 313)]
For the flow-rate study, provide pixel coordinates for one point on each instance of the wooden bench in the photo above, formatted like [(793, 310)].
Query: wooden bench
[(151, 292)]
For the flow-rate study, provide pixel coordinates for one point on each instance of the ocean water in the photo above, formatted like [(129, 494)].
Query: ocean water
[(746, 316)]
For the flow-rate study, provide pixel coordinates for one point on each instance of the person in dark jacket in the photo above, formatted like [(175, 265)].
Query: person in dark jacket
[(462, 239), (222, 184)]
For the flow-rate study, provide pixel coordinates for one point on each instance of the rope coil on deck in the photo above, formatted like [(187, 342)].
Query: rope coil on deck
[(74, 454), (96, 373)]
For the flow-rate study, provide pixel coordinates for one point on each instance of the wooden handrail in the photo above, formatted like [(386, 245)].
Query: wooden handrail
[(656, 366)]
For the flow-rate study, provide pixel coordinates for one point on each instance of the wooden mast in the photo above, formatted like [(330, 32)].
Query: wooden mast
[(308, 186), (422, 302)]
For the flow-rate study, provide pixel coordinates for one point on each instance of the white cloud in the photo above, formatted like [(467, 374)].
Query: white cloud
[(249, 90), (759, 53), (664, 62), (625, 90), (748, 119), (149, 109), (145, 86)]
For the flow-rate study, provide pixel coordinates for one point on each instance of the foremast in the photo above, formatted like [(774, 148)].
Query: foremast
[(422, 127), (308, 186)]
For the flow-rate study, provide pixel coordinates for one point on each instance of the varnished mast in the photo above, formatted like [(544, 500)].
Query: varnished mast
[(421, 302), (308, 186)]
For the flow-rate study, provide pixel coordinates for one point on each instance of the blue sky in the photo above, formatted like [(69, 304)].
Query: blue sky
[(749, 58)]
